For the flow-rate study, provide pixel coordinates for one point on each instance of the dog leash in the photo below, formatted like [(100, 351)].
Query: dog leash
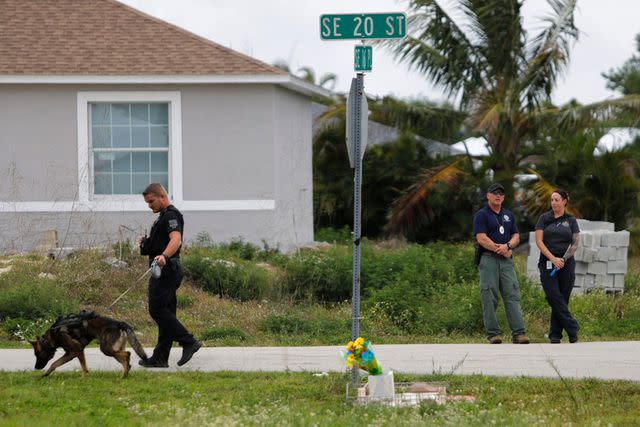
[(155, 268)]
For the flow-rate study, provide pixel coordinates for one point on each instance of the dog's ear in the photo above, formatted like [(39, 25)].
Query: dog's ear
[(33, 343)]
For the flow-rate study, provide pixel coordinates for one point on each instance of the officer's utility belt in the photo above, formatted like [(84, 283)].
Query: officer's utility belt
[(495, 255)]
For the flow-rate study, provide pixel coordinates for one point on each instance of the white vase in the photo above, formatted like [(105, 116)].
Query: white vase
[(381, 386)]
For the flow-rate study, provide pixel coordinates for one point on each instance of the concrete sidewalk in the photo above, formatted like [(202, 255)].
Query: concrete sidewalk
[(604, 360)]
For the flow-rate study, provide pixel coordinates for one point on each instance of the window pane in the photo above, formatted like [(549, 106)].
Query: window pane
[(122, 183), (159, 114), (140, 136), (100, 114), (122, 162), (102, 162), (101, 137), (162, 178), (140, 162), (140, 114), (120, 113), (121, 137), (102, 184), (140, 182), (159, 136), (159, 162)]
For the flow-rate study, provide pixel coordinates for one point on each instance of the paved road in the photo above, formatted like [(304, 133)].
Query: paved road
[(605, 360)]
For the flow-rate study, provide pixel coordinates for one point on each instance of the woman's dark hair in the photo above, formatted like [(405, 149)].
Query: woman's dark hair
[(563, 193)]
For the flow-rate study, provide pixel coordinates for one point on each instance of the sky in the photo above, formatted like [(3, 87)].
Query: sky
[(289, 30)]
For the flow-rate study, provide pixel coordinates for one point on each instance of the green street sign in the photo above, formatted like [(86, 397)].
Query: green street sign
[(363, 26), (362, 58)]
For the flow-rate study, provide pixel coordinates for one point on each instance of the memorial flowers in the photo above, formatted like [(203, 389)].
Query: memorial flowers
[(360, 355)]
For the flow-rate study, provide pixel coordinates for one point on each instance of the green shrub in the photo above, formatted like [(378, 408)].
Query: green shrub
[(229, 332), (25, 329), (341, 236), (288, 324), (35, 300), (324, 276), (226, 278)]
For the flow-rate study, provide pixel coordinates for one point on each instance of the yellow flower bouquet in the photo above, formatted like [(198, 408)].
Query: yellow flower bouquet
[(359, 354)]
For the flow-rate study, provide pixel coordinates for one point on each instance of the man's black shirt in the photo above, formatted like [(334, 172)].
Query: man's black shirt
[(169, 220)]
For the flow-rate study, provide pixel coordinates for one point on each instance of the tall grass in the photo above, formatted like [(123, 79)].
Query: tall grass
[(410, 293)]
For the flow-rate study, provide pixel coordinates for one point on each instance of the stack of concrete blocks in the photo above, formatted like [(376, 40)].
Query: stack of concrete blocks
[(601, 258)]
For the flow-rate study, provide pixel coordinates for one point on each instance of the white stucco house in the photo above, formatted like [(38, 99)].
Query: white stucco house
[(98, 99)]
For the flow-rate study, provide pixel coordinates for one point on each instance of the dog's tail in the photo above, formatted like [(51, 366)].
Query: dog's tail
[(135, 344)]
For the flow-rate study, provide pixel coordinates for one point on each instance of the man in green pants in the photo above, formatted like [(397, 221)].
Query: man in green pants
[(497, 234)]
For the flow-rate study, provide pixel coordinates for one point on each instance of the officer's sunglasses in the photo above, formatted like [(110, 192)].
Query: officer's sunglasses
[(497, 193)]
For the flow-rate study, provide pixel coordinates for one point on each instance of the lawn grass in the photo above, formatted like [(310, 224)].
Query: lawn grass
[(300, 399)]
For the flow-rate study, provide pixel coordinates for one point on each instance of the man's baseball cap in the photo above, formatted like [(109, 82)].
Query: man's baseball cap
[(495, 187)]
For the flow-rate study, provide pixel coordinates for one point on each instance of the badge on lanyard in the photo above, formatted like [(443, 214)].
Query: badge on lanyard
[(501, 229)]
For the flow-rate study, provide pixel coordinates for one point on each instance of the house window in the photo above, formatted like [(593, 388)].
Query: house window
[(129, 144)]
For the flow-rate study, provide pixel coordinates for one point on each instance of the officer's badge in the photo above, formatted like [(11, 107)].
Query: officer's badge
[(173, 223)]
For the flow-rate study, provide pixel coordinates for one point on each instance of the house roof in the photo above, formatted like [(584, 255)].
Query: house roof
[(58, 41)]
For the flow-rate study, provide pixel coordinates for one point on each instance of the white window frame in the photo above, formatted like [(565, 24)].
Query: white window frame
[(133, 202)]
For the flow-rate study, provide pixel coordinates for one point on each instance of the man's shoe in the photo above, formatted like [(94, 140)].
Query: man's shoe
[(520, 339), (573, 339), (496, 339), (188, 352), (152, 363), (555, 340)]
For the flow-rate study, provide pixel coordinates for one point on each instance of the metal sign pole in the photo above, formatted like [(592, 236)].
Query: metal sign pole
[(357, 195)]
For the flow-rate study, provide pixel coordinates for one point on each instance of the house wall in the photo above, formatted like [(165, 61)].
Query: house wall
[(239, 142), (293, 219)]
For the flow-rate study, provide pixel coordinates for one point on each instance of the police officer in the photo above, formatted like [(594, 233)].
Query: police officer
[(497, 234), (163, 247), (557, 237)]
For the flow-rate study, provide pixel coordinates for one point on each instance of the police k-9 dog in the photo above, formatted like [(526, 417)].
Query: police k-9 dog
[(74, 332)]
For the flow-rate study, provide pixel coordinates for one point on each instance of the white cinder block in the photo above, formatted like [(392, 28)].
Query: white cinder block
[(589, 255), (618, 281), (603, 253), (618, 253), (581, 267), (591, 239), (597, 267), (619, 238), (616, 267), (579, 255), (589, 280), (598, 280), (586, 225)]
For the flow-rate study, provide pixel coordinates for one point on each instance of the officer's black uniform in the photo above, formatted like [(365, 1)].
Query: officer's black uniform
[(162, 291), (557, 237)]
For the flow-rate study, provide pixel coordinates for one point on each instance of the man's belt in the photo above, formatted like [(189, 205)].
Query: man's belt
[(495, 255)]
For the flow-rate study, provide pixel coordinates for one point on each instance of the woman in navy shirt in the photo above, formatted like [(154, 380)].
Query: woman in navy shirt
[(557, 237)]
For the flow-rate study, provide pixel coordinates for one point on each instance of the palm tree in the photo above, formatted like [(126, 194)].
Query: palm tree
[(500, 77)]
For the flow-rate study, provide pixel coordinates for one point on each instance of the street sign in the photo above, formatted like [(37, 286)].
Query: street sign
[(362, 58), (363, 26)]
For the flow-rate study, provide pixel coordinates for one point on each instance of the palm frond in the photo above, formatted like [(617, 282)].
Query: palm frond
[(440, 48), (536, 200), (438, 121), (307, 74), (624, 111), (550, 53), (412, 210), (499, 23)]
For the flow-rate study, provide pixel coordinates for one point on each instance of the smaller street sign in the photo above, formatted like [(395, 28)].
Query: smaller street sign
[(362, 58), (363, 26)]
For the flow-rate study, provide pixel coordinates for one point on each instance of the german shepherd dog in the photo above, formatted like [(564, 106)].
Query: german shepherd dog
[(74, 332)]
